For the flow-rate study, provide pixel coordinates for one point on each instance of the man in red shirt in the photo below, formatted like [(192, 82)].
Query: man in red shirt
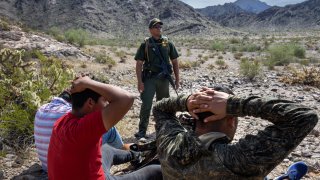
[(74, 150)]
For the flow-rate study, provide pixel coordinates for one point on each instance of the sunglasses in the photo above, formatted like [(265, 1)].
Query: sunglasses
[(157, 27)]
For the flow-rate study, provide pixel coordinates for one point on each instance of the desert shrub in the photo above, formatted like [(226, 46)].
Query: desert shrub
[(234, 41), (220, 57), (249, 48), (304, 62), (238, 55), (24, 86), (104, 59), (211, 66), (189, 52), (4, 26), (305, 76), (250, 69), (188, 64), (218, 46), (220, 62), (76, 36), (299, 51), (282, 54), (120, 54)]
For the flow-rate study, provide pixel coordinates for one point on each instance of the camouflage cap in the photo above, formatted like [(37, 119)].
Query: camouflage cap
[(154, 21)]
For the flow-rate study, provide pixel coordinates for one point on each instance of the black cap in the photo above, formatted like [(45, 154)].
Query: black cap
[(154, 21)]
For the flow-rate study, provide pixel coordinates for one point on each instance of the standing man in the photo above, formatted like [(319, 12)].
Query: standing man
[(154, 71)]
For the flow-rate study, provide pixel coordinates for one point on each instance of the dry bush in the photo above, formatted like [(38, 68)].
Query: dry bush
[(305, 76), (188, 64), (250, 68), (238, 55)]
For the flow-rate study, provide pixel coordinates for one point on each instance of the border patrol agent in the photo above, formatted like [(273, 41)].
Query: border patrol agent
[(149, 61)]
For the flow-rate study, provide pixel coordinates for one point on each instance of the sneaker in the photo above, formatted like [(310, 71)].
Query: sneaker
[(142, 139)]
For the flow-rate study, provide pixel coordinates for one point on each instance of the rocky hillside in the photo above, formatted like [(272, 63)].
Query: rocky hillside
[(229, 14), (254, 6), (298, 16), (107, 17)]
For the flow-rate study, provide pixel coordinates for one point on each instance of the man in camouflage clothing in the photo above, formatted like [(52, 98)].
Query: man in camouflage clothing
[(149, 58), (207, 154)]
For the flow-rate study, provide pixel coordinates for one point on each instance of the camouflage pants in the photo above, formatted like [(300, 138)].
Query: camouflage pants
[(152, 86)]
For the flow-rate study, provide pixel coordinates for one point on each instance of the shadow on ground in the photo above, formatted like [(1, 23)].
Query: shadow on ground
[(34, 172)]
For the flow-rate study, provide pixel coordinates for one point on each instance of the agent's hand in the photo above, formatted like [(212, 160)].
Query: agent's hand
[(177, 84), (217, 105), (80, 84), (140, 87)]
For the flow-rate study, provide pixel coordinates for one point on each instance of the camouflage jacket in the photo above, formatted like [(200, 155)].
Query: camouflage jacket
[(184, 156)]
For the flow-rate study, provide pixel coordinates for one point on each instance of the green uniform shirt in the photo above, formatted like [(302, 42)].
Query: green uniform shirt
[(153, 63)]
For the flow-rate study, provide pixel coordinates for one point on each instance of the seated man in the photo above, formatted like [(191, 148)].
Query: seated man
[(74, 150), (48, 114), (207, 154)]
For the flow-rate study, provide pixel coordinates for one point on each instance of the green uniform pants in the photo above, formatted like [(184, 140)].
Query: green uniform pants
[(152, 86)]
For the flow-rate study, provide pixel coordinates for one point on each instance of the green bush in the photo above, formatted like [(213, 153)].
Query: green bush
[(104, 59), (4, 26), (250, 48), (299, 51), (218, 46), (24, 86), (76, 36), (283, 54), (234, 41), (250, 69)]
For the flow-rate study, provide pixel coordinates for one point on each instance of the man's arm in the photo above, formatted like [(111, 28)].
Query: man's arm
[(175, 65), (119, 100), (175, 144), (259, 154), (139, 66)]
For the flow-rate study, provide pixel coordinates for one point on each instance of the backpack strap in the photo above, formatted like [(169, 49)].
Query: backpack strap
[(146, 52)]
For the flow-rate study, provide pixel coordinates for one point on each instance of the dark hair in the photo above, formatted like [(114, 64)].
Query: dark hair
[(78, 99), (220, 88), (66, 96)]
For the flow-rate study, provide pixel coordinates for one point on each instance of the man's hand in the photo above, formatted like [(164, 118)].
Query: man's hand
[(140, 87), (192, 105), (80, 84), (213, 101)]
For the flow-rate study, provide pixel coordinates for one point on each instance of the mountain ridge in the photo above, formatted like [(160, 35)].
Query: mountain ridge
[(297, 16), (111, 18)]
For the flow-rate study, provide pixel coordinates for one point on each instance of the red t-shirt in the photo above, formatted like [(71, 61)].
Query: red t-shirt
[(74, 150)]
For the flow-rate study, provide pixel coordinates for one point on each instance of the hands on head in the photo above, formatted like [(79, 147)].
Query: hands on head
[(208, 100), (79, 83)]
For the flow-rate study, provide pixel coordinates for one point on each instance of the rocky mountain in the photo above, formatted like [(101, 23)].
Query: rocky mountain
[(229, 14), (254, 6), (298, 16), (302, 15), (108, 17)]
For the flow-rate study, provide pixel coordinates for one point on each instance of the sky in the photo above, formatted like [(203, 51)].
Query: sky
[(205, 3)]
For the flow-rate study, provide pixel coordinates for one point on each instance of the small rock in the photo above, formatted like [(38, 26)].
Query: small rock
[(8, 164), (10, 156), (286, 160), (274, 90), (316, 155), (296, 153), (306, 153)]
